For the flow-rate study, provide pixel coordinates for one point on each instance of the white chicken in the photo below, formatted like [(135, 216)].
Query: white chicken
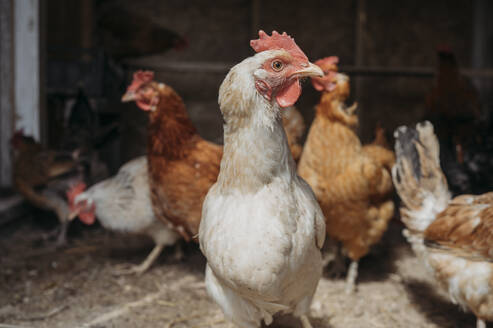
[(123, 203), (262, 228)]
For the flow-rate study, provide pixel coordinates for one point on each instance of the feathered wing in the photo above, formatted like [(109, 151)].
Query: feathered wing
[(464, 228), (191, 179), (319, 218), (319, 227), (123, 201), (130, 188)]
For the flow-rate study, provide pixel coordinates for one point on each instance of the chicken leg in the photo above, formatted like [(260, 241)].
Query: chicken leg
[(62, 234), (139, 269), (352, 274), (305, 322)]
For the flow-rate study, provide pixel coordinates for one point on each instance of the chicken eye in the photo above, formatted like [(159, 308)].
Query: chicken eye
[(277, 65)]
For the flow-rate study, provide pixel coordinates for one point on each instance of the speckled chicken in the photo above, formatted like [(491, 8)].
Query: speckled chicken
[(453, 237), (123, 203), (352, 185), (262, 228), (42, 176)]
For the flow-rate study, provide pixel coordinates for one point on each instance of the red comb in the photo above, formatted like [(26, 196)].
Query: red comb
[(140, 77), (277, 41), (328, 63), (74, 191), (329, 66)]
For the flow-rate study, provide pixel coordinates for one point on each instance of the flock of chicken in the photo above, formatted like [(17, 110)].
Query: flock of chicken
[(260, 219)]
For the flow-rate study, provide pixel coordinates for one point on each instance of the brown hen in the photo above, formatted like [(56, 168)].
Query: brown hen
[(352, 186), (453, 237)]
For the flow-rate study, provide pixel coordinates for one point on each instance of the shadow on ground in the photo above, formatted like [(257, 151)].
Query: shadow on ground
[(436, 308)]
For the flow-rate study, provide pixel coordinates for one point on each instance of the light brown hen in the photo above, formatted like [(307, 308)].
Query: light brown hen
[(352, 186)]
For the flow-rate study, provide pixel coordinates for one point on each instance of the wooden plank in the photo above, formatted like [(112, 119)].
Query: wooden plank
[(26, 67), (6, 91)]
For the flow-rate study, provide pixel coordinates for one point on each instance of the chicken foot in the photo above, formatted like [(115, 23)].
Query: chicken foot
[(305, 323), (139, 269), (352, 274)]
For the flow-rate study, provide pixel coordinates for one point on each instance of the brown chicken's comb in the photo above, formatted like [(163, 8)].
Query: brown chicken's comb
[(140, 77), (329, 67), (277, 41), (328, 64), (73, 192)]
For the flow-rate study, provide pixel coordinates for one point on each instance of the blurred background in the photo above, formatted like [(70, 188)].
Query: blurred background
[(65, 64)]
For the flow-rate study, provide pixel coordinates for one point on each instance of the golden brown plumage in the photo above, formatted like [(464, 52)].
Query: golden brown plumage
[(379, 149), (465, 227), (352, 187), (453, 237)]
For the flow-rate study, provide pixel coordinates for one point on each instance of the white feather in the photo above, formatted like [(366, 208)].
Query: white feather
[(261, 227), (123, 203)]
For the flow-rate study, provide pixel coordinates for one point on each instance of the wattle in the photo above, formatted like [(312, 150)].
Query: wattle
[(289, 94)]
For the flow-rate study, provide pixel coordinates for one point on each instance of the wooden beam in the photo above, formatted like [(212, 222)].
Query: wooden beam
[(6, 91), (373, 71)]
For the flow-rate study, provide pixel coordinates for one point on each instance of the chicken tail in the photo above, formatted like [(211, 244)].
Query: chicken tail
[(417, 176)]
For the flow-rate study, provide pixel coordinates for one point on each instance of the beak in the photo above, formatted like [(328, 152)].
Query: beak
[(311, 70), (129, 96)]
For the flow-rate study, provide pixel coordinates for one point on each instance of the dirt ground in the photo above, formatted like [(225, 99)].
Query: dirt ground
[(74, 286)]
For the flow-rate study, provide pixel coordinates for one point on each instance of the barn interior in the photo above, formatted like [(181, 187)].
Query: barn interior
[(64, 66)]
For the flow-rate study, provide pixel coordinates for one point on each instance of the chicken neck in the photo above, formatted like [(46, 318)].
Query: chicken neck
[(170, 127), (255, 154)]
